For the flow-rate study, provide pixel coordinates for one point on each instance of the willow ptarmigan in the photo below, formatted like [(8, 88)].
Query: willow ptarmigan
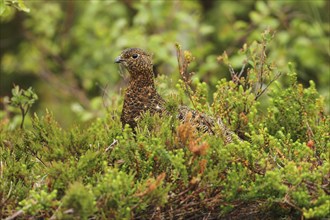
[(141, 94)]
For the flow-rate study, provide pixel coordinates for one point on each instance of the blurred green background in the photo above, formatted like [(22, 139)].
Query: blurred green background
[(65, 50)]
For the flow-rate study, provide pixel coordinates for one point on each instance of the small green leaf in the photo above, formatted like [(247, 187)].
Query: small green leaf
[(22, 6), (2, 7)]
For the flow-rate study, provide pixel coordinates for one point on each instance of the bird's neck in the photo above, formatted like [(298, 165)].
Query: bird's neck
[(145, 79)]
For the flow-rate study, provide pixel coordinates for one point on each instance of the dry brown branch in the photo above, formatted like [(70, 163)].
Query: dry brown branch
[(184, 59)]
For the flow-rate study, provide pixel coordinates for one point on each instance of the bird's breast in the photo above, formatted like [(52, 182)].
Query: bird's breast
[(140, 100)]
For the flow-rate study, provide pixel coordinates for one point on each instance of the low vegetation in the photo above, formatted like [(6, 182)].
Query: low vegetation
[(277, 165)]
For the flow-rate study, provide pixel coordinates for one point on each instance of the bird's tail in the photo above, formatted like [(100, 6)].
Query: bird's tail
[(206, 123)]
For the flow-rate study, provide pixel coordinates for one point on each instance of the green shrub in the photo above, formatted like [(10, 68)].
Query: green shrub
[(78, 202), (276, 165)]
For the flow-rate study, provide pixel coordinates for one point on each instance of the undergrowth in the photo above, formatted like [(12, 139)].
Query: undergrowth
[(277, 165)]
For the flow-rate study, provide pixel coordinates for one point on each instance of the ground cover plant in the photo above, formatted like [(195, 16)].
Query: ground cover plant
[(275, 166), (258, 69)]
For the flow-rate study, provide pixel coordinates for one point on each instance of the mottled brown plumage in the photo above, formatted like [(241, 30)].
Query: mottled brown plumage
[(141, 94)]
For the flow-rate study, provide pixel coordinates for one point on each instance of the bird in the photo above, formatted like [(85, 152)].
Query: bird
[(141, 95)]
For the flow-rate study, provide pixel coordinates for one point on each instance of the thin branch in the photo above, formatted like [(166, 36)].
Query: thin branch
[(234, 76), (23, 115), (15, 215), (112, 145), (273, 80), (183, 70), (242, 69), (261, 69), (288, 202)]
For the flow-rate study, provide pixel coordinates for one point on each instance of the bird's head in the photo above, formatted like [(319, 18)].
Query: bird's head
[(136, 61)]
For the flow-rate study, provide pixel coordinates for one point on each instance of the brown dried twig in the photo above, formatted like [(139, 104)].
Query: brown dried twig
[(184, 59)]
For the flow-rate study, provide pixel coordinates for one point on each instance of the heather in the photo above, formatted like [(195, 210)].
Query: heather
[(65, 155)]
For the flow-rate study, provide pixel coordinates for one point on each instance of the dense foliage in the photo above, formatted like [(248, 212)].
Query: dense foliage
[(75, 161)]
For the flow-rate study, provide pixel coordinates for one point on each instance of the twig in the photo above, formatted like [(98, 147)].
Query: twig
[(15, 215), (183, 67), (53, 217), (288, 202), (8, 194), (36, 155), (310, 131), (111, 146), (261, 69), (273, 80), (242, 69), (23, 112), (234, 76)]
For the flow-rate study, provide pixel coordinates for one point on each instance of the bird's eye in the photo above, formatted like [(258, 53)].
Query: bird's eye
[(135, 56)]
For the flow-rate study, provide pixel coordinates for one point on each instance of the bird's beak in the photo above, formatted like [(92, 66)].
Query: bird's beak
[(118, 60)]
